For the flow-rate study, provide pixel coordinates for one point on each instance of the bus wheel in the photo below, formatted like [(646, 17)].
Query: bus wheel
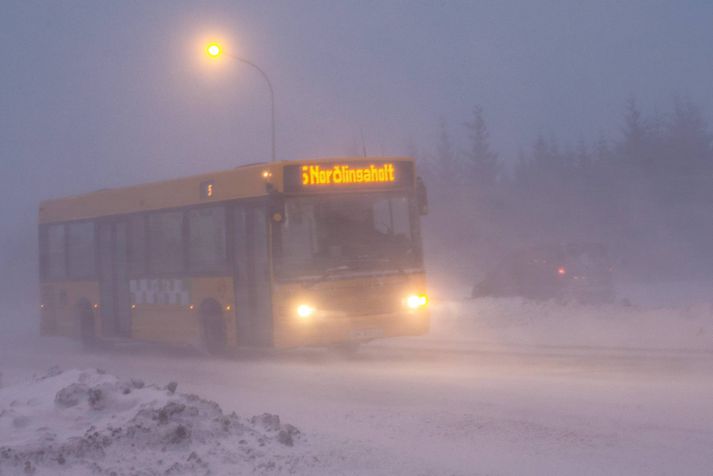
[(87, 333), (213, 327)]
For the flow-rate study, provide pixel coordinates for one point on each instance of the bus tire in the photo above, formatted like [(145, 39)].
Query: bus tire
[(85, 318), (213, 327)]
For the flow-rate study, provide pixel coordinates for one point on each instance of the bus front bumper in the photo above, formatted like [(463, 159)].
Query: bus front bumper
[(326, 331)]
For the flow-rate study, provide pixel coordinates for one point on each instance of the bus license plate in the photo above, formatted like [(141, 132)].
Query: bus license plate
[(367, 333)]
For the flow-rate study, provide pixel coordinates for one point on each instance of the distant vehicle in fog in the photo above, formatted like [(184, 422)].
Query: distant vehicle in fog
[(576, 271)]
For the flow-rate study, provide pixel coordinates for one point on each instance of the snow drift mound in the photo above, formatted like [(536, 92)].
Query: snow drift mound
[(519, 321), (90, 422)]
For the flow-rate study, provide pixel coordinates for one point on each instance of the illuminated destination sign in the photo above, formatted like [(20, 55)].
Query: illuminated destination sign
[(348, 175)]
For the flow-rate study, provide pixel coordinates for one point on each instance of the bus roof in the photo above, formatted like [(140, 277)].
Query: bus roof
[(241, 182)]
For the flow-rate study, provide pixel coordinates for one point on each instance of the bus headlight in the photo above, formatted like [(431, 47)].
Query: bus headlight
[(305, 311), (416, 301)]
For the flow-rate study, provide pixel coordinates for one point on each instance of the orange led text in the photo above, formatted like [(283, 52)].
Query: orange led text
[(346, 174)]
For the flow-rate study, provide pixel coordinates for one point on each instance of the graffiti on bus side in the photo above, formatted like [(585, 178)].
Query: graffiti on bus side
[(160, 291)]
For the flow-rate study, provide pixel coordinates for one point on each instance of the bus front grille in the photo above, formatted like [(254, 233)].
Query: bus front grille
[(361, 301)]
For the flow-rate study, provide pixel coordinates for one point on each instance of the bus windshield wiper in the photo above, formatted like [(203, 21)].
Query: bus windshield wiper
[(395, 263), (327, 273)]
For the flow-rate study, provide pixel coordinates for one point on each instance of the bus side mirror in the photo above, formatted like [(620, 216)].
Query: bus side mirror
[(421, 196)]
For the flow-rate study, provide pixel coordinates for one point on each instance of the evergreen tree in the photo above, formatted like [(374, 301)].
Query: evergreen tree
[(601, 149), (540, 151), (481, 163), (583, 160), (688, 144), (633, 125), (445, 156), (636, 141)]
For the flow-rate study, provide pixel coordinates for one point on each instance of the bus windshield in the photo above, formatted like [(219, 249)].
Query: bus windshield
[(334, 234)]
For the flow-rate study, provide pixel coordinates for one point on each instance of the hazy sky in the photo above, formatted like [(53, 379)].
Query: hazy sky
[(103, 93)]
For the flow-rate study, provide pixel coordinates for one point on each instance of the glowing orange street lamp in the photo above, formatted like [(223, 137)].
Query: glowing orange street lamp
[(214, 50)]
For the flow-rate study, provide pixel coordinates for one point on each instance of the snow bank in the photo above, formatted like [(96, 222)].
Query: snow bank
[(89, 422), (522, 322)]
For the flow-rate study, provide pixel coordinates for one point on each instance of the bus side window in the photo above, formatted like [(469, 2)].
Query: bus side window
[(400, 212), (56, 258), (383, 216), (206, 239), (166, 242), (137, 245), (80, 249)]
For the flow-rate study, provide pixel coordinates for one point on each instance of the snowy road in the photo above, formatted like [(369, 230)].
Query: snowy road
[(448, 404)]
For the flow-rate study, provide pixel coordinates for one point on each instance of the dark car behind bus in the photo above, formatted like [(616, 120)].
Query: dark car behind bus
[(572, 271)]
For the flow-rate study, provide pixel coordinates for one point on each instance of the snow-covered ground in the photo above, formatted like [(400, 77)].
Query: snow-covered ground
[(498, 387), (89, 422), (553, 324)]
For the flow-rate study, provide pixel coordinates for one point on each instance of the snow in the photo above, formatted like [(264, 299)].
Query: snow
[(499, 386), (518, 321), (90, 422)]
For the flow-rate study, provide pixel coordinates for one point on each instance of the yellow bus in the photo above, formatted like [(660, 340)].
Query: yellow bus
[(296, 253)]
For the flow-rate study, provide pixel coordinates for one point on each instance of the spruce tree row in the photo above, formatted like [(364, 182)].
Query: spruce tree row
[(646, 193)]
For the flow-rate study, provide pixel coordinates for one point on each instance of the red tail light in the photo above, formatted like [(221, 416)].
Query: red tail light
[(561, 271)]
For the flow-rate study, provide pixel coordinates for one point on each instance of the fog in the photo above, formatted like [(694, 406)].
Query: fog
[(99, 95), (645, 194), (533, 125)]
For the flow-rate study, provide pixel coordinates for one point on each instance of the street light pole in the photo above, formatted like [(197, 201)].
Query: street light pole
[(214, 50), (272, 98)]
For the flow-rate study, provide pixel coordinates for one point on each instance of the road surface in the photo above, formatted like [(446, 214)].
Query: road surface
[(435, 405)]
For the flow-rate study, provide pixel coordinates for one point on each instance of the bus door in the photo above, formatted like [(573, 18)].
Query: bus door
[(114, 305), (252, 275)]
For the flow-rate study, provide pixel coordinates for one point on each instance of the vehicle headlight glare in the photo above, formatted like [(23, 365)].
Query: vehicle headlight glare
[(416, 301), (305, 310)]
